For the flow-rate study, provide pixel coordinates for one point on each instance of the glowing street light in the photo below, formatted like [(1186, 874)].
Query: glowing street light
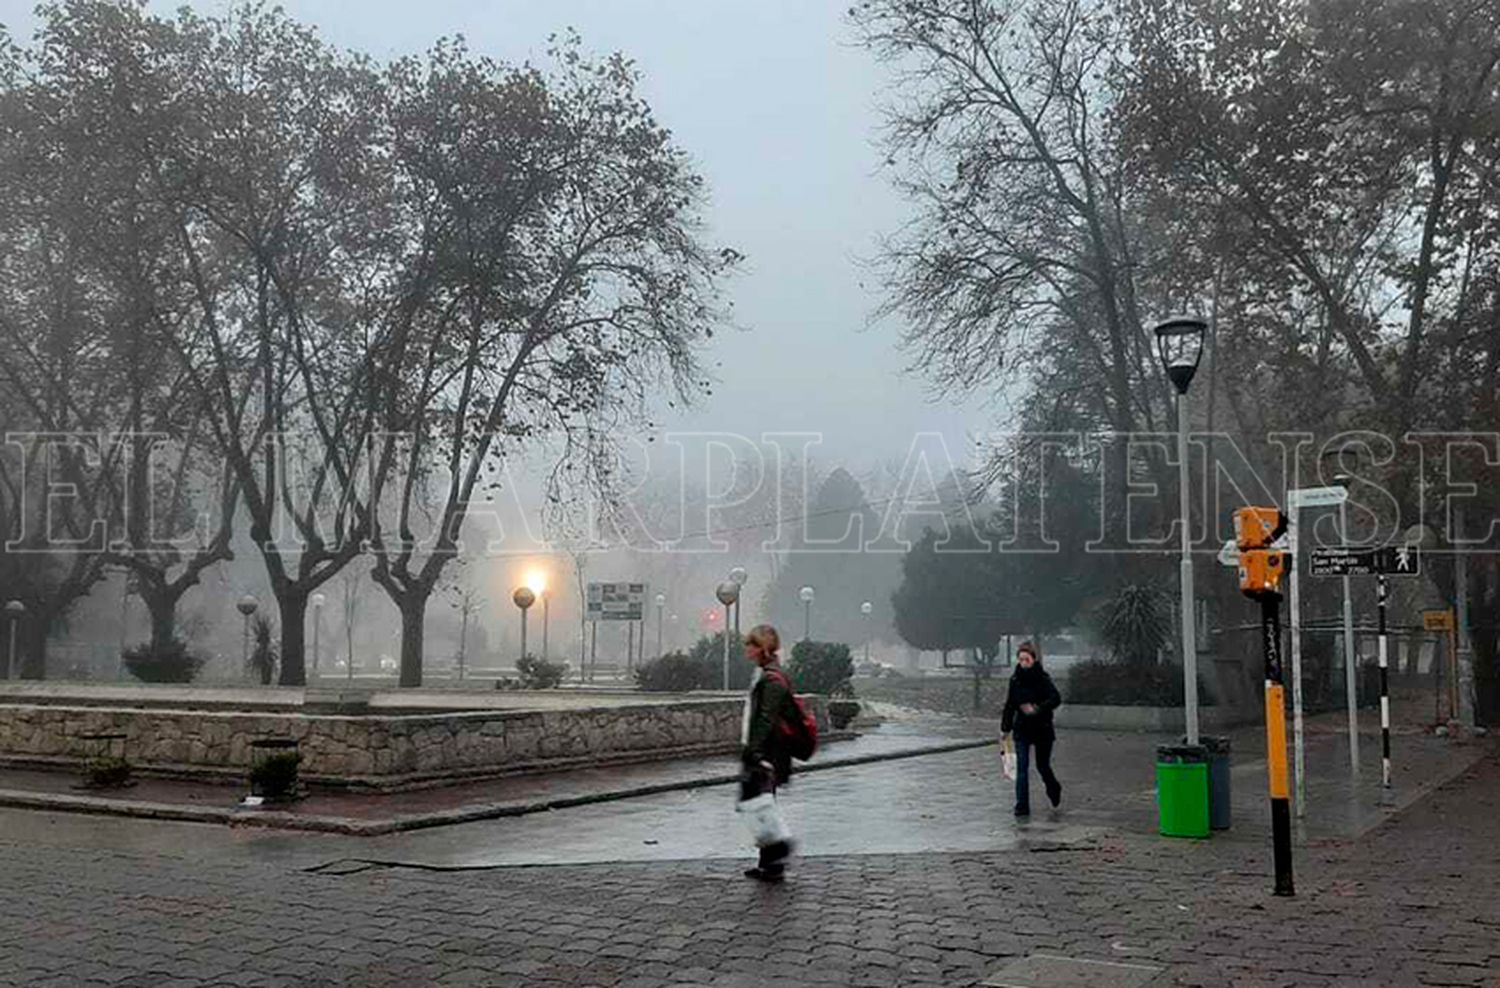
[(523, 598), (807, 594)]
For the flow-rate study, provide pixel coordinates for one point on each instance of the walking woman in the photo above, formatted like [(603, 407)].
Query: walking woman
[(1028, 713), (766, 753)]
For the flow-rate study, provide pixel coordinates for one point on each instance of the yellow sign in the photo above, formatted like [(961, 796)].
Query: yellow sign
[(1437, 620)]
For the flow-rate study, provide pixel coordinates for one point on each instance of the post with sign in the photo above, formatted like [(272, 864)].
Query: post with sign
[(1385, 688), (1260, 569), (1296, 500)]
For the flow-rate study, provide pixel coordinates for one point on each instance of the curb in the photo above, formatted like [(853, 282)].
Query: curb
[(351, 827)]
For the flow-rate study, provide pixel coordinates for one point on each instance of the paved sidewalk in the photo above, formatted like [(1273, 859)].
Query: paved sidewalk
[(1411, 904)]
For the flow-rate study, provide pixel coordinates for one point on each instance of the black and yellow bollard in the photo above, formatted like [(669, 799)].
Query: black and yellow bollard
[(1261, 569)]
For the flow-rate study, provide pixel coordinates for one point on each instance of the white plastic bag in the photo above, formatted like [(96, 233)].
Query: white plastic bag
[(1008, 759), (763, 819)]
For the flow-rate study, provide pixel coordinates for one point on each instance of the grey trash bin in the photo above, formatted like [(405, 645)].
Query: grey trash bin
[(1218, 782)]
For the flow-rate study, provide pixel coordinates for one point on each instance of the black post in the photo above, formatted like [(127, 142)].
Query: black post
[(1381, 589), (1281, 812)]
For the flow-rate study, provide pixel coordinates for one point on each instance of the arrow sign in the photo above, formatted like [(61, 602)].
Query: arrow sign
[(1230, 554), (1316, 497)]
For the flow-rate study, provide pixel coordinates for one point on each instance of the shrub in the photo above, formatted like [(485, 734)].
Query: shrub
[(675, 672), (700, 668), (276, 776), (539, 674), (1128, 684), (821, 667), (170, 662)]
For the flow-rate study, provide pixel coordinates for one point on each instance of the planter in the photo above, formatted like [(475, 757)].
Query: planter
[(841, 713), (274, 770)]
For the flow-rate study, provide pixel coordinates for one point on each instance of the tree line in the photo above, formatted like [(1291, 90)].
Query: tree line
[(253, 284)]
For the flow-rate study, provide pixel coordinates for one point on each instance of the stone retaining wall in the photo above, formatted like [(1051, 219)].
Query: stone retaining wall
[(378, 749)]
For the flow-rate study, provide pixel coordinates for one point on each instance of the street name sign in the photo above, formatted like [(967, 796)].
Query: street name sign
[(1316, 497), (1385, 561)]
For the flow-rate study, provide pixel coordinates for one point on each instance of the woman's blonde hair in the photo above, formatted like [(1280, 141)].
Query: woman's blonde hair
[(766, 637)]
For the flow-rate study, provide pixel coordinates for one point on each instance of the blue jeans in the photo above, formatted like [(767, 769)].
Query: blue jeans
[(1043, 767)]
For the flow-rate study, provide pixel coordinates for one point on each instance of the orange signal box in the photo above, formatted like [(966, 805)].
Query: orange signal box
[(1257, 528), (1261, 571)]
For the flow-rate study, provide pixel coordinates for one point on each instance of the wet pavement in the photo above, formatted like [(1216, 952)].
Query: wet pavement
[(911, 872)]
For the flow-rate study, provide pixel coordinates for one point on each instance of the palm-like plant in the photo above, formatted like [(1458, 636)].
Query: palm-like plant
[(1135, 623)]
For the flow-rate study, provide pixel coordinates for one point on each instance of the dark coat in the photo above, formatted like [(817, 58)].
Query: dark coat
[(771, 703), (1032, 686)]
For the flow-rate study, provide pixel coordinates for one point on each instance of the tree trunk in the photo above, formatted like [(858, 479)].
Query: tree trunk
[(413, 605), (293, 605), (161, 603)]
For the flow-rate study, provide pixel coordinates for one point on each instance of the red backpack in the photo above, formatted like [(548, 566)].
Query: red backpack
[(798, 733)]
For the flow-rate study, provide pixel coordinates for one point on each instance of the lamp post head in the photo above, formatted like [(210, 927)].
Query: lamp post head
[(15, 608), (806, 594), (661, 600), (728, 592), (1179, 342), (248, 605), (318, 600), (738, 575), (866, 608), (524, 597)]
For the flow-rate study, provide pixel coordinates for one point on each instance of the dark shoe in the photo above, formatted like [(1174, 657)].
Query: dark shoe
[(1055, 795), (766, 874), (1023, 811)]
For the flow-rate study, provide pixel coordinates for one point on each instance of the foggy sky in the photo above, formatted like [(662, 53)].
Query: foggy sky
[(778, 110)]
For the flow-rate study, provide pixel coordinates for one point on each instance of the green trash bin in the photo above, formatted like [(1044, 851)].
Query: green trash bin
[(1182, 790)]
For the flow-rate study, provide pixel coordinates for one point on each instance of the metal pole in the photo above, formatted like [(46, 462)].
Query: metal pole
[(1189, 629), (1295, 594), (593, 650), (1351, 672), (1281, 819), (807, 620), (10, 658), (736, 617), (546, 621), (658, 631), (317, 622), (726, 648), (1466, 713), (245, 657), (523, 632), (1385, 696)]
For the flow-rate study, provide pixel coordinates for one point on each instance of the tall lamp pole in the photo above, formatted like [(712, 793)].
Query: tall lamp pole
[(1179, 342), (728, 593), (524, 597), (661, 602), (807, 594), (14, 611), (738, 576), (867, 609), (247, 606), (318, 600)]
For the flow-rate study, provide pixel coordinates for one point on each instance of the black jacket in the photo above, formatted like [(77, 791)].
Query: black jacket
[(770, 704), (1032, 686)]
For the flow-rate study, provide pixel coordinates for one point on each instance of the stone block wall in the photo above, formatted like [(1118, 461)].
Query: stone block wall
[(377, 749)]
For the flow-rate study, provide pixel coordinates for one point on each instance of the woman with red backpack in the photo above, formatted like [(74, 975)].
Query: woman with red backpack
[(776, 729)]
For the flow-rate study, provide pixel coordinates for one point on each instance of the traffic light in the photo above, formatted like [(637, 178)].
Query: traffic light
[(1257, 528), (1260, 573)]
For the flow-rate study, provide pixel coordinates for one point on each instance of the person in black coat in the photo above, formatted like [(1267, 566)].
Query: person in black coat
[(1028, 713)]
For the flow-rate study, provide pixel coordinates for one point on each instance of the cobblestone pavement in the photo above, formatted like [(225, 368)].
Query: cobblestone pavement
[(1412, 903)]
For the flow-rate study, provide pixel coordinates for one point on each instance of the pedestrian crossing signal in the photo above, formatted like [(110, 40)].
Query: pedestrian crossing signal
[(1260, 573), (1257, 528)]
